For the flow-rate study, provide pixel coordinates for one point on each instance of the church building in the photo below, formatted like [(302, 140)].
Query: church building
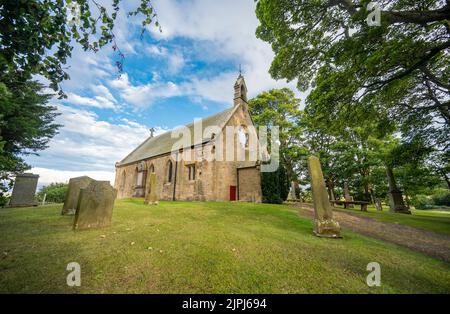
[(204, 177)]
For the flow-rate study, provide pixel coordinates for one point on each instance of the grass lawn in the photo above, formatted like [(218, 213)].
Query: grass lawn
[(201, 247), (432, 220)]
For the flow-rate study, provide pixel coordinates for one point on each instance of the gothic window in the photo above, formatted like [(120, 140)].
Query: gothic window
[(141, 170), (152, 168), (243, 136), (139, 177), (169, 171), (191, 172)]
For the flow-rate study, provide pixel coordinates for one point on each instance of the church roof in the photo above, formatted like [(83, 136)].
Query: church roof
[(163, 143)]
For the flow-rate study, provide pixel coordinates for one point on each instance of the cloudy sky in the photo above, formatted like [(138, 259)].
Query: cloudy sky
[(169, 78)]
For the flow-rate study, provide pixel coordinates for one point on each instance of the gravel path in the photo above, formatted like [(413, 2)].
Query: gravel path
[(427, 242)]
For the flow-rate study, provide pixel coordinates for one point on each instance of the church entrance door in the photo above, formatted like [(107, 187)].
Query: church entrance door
[(232, 192)]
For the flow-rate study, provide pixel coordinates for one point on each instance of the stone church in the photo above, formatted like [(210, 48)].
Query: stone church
[(203, 178)]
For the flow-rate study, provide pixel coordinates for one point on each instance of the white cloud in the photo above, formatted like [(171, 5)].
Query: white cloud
[(222, 31), (142, 95), (86, 143), (97, 101), (47, 176)]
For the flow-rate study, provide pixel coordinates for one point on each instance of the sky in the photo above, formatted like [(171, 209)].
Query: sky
[(169, 78)]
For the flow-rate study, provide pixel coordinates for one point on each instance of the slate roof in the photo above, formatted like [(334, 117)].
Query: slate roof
[(163, 143)]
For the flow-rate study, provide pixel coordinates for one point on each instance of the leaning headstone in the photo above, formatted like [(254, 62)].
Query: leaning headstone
[(95, 206), (24, 190), (396, 202), (324, 224), (151, 196), (73, 192), (347, 196)]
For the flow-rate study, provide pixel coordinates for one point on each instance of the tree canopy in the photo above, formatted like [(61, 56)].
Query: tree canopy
[(398, 70), (37, 37)]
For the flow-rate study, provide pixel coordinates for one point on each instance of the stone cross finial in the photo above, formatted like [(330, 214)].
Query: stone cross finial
[(324, 224), (152, 130)]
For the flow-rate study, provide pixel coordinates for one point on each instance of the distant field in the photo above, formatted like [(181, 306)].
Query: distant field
[(201, 247), (432, 220)]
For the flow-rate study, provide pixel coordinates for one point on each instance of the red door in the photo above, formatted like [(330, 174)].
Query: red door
[(232, 192)]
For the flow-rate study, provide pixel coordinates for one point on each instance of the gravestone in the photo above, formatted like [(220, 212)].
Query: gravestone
[(73, 191), (396, 202), (24, 190), (151, 196), (347, 196), (95, 206), (324, 224)]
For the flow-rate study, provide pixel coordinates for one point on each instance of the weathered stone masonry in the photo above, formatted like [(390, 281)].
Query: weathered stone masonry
[(205, 179)]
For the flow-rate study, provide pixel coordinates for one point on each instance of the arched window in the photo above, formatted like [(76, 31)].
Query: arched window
[(169, 171), (141, 170), (243, 136), (152, 168)]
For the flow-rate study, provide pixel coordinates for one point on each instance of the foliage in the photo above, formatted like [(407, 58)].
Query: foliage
[(275, 185), (442, 198), (397, 71), (280, 107), (3, 199), (26, 126), (56, 193), (420, 201), (37, 36)]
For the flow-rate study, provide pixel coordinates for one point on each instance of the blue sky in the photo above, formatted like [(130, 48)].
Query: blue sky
[(169, 78)]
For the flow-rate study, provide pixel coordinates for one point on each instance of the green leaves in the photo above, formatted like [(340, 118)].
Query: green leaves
[(395, 72), (37, 36)]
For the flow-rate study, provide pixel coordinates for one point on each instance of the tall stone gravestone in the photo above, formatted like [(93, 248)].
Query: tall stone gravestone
[(95, 206), (347, 196), (73, 192), (324, 224), (24, 190), (151, 197)]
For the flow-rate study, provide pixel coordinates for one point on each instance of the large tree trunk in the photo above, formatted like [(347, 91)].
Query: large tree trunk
[(395, 195), (330, 189)]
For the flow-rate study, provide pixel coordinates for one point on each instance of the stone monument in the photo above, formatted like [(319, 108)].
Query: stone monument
[(347, 196), (151, 197), (24, 190), (95, 206), (73, 191), (324, 224)]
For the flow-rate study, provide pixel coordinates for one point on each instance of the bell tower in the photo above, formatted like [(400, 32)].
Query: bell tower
[(240, 90)]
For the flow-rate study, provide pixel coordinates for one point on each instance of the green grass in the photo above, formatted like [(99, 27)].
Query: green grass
[(431, 220), (199, 247)]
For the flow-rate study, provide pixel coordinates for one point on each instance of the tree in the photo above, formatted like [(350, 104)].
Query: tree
[(26, 126), (400, 68), (279, 107), (275, 185), (37, 36), (55, 192)]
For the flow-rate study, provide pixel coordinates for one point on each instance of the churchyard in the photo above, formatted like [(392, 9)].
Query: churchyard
[(208, 247)]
